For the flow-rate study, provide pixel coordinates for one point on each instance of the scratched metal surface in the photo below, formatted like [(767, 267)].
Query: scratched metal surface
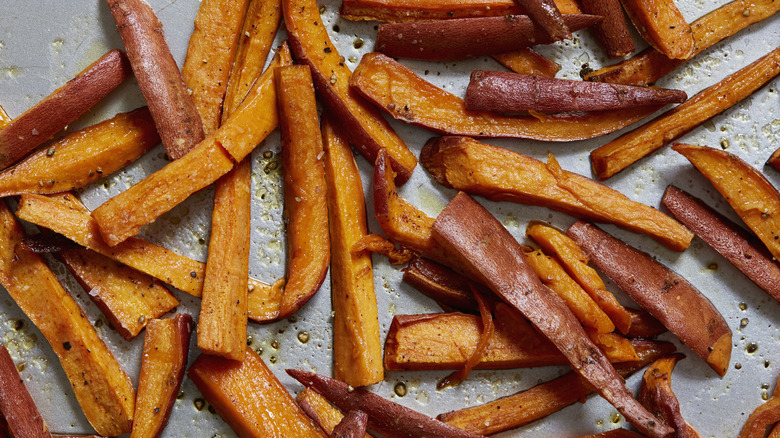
[(44, 43)]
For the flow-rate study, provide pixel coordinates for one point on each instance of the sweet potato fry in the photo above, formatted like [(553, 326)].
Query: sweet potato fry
[(249, 398), (748, 191), (166, 344), (210, 54), (17, 407), (500, 174), (511, 92), (650, 65), (620, 153), (103, 390), (353, 425), (669, 297), (123, 215), (663, 26), (410, 98), (612, 33), (364, 126), (172, 108), (544, 399), (448, 40), (384, 416), (488, 252), (615, 433), (445, 286), (726, 237), (546, 15), (65, 105), (643, 324), (395, 11), (320, 410), (527, 61), (762, 417), (656, 393), (357, 348), (83, 156)]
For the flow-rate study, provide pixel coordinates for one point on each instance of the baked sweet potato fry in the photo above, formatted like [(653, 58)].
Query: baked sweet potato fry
[(625, 150), (612, 33), (364, 126), (488, 252), (166, 344), (410, 98), (104, 392), (123, 215), (415, 10), (663, 26), (527, 61), (546, 15), (726, 237), (544, 399), (755, 200), (172, 108), (357, 348), (384, 416), (448, 288), (449, 40), (644, 325), (64, 105), (353, 425), (500, 174), (510, 92), (762, 417), (320, 410), (615, 433), (250, 398), (668, 296), (17, 408), (649, 65), (656, 393)]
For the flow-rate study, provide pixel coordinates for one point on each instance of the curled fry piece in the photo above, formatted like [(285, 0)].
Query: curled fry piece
[(656, 393)]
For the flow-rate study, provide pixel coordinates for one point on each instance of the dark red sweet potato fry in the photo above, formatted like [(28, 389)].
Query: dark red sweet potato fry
[(384, 416), (440, 283), (172, 108), (546, 15), (643, 324), (615, 433), (353, 425), (397, 11), (510, 92), (612, 33), (668, 296), (726, 237), (17, 407), (764, 415), (65, 105), (320, 410), (446, 40), (488, 252), (656, 394)]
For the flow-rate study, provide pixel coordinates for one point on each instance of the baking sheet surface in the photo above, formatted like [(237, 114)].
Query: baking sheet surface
[(45, 43)]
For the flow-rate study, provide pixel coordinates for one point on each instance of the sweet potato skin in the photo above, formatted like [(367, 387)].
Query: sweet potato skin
[(400, 11), (320, 410), (660, 291), (612, 33), (353, 425), (17, 408), (65, 105), (445, 286), (545, 14), (656, 393)]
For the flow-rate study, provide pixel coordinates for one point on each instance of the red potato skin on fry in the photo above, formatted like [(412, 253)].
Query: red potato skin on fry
[(612, 33), (669, 297), (447, 40), (509, 92), (159, 78), (489, 253), (353, 425), (17, 407), (726, 237), (548, 17), (65, 105)]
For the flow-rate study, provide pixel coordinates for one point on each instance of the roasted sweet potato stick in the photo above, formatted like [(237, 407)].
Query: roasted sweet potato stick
[(644, 325), (123, 215), (755, 200), (650, 65), (668, 296), (546, 15), (103, 390), (615, 433), (527, 61), (384, 416), (250, 398), (410, 98), (172, 108), (764, 416), (440, 283), (357, 348), (16, 405), (449, 40), (353, 425), (612, 33), (656, 393), (320, 410), (500, 174), (166, 344), (377, 244), (83, 156), (210, 54), (663, 26), (510, 92), (630, 147), (488, 252), (65, 105), (544, 399), (363, 125), (416, 10), (726, 237)]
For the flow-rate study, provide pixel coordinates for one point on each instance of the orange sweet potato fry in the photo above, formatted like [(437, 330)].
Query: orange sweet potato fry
[(656, 393), (166, 344), (320, 410), (663, 26), (625, 150), (357, 348), (415, 10), (250, 398), (17, 408), (527, 61), (65, 105), (363, 125), (649, 65), (409, 98), (612, 33), (763, 416)]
